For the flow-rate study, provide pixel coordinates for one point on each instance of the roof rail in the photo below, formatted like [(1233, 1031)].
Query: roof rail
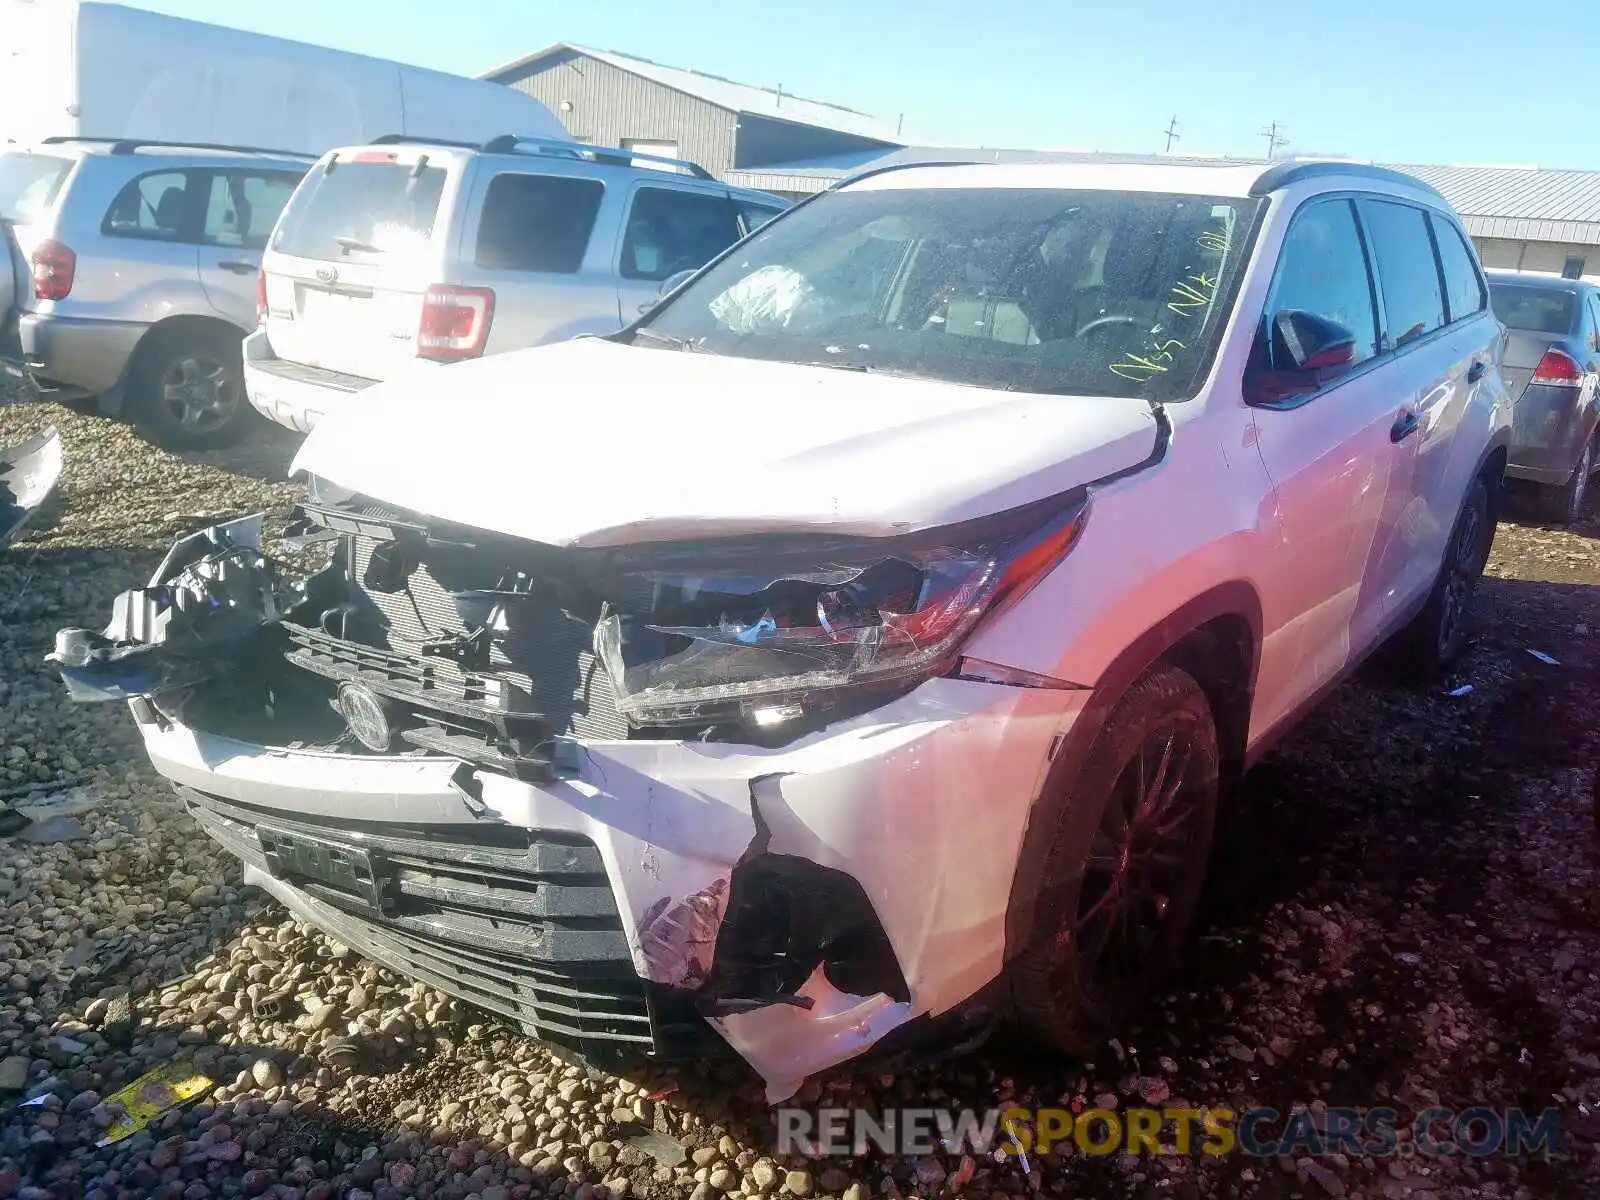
[(401, 139), (512, 143), (1281, 175), (129, 145), (872, 172)]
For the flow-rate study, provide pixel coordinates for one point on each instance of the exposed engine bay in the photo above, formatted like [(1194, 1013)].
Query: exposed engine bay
[(418, 636)]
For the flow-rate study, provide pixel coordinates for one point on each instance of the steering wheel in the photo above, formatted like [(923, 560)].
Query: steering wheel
[(1100, 322)]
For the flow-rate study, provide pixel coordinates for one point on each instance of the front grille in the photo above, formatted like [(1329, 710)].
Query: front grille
[(548, 655), (518, 922)]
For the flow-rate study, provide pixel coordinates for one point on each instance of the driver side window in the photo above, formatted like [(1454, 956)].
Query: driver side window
[(1322, 270)]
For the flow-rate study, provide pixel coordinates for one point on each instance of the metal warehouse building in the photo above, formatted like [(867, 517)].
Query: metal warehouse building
[(1525, 218), (1522, 218), (611, 99)]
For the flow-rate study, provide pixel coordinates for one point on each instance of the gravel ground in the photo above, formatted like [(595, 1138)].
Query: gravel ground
[(1403, 912)]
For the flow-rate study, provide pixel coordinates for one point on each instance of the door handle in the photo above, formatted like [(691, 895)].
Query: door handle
[(239, 266), (1404, 426), (1475, 371)]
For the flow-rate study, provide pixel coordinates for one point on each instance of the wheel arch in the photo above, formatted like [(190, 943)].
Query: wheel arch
[(1216, 637), (1492, 470), (115, 402)]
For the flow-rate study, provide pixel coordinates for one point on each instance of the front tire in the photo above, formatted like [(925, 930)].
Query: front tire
[(1124, 869), (189, 391)]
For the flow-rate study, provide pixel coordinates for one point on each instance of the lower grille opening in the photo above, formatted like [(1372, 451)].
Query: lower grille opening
[(517, 922)]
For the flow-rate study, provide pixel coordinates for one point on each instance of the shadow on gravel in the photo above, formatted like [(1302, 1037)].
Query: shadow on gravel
[(263, 455), (1523, 508), (393, 1133)]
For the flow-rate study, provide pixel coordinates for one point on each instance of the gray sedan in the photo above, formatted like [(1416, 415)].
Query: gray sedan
[(1551, 368)]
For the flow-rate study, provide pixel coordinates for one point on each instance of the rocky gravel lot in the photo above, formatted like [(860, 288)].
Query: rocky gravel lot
[(1403, 912)]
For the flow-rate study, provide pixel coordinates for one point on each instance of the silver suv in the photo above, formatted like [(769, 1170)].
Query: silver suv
[(408, 252), (138, 264)]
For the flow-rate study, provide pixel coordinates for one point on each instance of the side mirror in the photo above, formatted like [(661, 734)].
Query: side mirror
[(675, 281), (1304, 353)]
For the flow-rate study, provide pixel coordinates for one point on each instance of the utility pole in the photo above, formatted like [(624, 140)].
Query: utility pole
[(1274, 134), (1172, 134)]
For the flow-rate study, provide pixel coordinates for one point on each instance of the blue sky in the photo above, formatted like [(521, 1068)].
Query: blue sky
[(1427, 81)]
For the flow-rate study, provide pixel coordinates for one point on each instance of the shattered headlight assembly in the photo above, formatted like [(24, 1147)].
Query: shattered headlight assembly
[(763, 630)]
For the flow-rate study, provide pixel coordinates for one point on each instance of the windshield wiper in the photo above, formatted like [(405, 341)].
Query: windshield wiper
[(664, 339), (347, 243)]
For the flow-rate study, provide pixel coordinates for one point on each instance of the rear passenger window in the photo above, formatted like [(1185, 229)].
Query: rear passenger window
[(1323, 270), (1462, 285), (153, 206), (243, 208), (670, 231), (537, 223), (1408, 274)]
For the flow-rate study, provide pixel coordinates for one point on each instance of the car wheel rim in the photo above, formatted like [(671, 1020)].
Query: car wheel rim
[(200, 394), (1460, 580), (1140, 861)]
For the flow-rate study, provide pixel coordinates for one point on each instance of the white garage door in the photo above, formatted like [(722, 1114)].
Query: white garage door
[(644, 146)]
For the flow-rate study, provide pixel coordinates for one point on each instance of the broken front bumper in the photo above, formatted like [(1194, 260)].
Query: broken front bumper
[(599, 909), (608, 894)]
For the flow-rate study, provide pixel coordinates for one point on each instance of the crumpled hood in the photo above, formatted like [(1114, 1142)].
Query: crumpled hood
[(595, 443)]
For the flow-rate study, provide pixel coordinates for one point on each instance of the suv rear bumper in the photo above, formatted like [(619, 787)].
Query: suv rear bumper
[(671, 854), (78, 353), (295, 395)]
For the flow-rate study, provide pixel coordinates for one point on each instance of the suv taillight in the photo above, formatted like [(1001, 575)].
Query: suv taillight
[(54, 268), (261, 297), (1557, 369), (455, 322)]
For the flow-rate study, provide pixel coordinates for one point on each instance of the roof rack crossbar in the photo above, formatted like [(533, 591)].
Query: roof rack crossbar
[(129, 145), (512, 143)]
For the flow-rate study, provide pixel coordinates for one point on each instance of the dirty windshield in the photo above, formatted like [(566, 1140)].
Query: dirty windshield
[(1041, 290), (28, 185), (361, 208)]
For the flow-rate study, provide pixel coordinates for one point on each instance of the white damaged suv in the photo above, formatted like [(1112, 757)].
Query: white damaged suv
[(862, 641)]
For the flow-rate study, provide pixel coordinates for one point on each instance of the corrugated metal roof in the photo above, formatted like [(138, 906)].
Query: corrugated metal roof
[(1517, 193), (725, 93)]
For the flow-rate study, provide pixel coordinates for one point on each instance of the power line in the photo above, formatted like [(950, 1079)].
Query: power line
[(1275, 135), (1172, 134)]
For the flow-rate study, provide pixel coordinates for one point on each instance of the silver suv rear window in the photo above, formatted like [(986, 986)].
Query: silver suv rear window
[(361, 208), (29, 183)]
